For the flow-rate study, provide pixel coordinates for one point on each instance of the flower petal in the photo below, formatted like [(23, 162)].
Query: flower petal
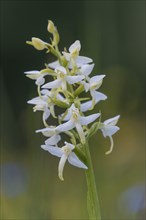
[(86, 106), (61, 166), (32, 72), (54, 84), (71, 146), (75, 46), (86, 86), (47, 132), (55, 151), (65, 127), (109, 130), (60, 69), (74, 160), (53, 140), (96, 79), (35, 101), (67, 116), (112, 121), (45, 92), (85, 120), (40, 81), (80, 60), (66, 55), (87, 69), (46, 114), (54, 64), (98, 96), (74, 79)]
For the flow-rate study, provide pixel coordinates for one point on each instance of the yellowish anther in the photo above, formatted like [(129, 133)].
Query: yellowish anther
[(38, 43)]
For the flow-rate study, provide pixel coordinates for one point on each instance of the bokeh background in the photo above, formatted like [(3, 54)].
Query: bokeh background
[(113, 34)]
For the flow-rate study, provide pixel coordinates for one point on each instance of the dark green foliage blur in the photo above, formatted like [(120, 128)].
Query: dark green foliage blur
[(113, 34)]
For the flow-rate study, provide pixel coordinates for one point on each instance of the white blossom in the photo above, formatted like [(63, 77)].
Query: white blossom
[(73, 56), (94, 84), (109, 128), (65, 153), (62, 79), (37, 76), (41, 104), (75, 120)]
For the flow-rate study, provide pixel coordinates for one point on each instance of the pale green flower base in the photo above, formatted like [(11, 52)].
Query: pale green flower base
[(92, 196)]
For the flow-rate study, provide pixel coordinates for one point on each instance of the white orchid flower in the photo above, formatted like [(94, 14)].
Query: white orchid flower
[(41, 104), (108, 128), (65, 153), (94, 84), (62, 79), (37, 76), (73, 56), (75, 120)]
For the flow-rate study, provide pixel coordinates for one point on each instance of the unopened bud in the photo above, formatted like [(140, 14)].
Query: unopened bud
[(38, 43), (51, 28)]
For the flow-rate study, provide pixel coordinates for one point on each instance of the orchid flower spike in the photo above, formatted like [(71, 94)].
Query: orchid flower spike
[(65, 91)]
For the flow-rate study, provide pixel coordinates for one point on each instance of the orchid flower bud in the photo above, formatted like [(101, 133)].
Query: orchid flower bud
[(38, 43), (53, 30)]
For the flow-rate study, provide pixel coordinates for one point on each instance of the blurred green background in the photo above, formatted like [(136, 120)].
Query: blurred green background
[(113, 34)]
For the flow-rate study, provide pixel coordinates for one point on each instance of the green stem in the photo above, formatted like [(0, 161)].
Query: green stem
[(92, 196)]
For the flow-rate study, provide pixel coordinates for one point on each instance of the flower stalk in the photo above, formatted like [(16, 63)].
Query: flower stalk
[(92, 196)]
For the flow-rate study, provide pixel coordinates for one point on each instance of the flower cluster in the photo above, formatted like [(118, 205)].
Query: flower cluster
[(66, 84)]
